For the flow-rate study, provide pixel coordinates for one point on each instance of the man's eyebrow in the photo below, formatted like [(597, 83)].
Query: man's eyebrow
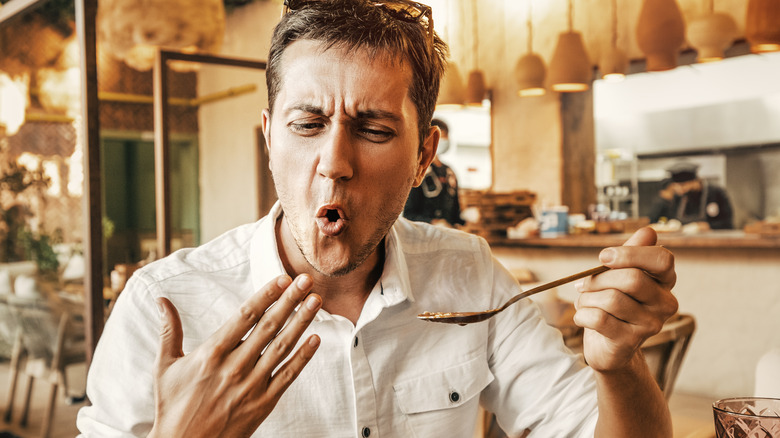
[(378, 114), (371, 114), (308, 108)]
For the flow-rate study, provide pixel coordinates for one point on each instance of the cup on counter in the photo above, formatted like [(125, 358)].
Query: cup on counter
[(753, 417), (554, 221)]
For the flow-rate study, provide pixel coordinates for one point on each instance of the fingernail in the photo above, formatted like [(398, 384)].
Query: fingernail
[(579, 285), (283, 281), (607, 255), (160, 308), (312, 302), (314, 341), (304, 281)]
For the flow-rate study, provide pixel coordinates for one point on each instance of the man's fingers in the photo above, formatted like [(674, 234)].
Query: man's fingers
[(645, 236), (283, 344), (171, 334), (275, 318), (293, 367), (639, 252), (230, 334)]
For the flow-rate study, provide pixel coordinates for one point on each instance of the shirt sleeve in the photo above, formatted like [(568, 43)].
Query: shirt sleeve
[(539, 383), (121, 375)]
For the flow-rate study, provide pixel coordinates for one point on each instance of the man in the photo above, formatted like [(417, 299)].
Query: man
[(662, 208), (435, 200), (352, 86), (699, 201)]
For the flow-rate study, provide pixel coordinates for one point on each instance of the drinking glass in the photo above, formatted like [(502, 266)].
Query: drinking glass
[(747, 417)]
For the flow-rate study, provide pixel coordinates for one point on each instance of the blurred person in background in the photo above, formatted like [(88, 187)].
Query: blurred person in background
[(436, 200), (699, 201)]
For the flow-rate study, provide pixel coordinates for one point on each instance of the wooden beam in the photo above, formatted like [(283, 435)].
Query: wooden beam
[(162, 179), (86, 12)]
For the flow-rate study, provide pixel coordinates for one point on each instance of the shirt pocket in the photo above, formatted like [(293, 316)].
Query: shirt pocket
[(445, 400)]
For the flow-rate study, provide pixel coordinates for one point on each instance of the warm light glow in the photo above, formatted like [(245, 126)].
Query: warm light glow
[(13, 102), (765, 48), (569, 87), (614, 77), (530, 92)]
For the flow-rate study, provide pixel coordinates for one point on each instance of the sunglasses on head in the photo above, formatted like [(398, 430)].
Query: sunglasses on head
[(404, 10)]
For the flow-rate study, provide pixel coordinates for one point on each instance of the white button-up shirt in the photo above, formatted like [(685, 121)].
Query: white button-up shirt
[(390, 375)]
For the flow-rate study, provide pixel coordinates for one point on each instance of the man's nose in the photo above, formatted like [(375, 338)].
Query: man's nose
[(337, 155)]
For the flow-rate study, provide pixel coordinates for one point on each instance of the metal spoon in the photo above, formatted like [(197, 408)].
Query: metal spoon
[(463, 318)]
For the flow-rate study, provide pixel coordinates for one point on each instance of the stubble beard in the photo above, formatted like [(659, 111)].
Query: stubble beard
[(385, 218)]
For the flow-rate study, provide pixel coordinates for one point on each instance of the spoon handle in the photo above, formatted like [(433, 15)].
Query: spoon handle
[(554, 283)]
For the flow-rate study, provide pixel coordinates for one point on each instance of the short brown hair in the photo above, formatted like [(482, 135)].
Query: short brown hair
[(359, 24)]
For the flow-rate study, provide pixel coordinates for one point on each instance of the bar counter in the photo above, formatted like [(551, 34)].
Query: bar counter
[(728, 280), (711, 239)]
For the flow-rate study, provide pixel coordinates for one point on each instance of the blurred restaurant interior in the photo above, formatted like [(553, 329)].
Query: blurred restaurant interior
[(130, 129)]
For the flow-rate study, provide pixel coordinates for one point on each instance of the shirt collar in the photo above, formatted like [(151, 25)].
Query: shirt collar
[(266, 264)]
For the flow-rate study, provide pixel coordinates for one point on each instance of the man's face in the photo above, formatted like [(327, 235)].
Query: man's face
[(344, 153)]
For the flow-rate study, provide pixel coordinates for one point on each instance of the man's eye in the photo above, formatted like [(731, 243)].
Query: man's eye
[(305, 128), (375, 135)]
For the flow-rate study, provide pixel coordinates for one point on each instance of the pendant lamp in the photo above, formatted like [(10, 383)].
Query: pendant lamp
[(475, 87), (452, 91), (712, 34), (762, 26), (530, 70), (614, 62), (660, 32), (570, 69)]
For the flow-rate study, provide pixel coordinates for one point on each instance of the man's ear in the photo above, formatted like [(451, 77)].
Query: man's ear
[(267, 133), (426, 155)]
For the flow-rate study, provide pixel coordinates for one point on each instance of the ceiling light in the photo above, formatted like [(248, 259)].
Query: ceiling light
[(570, 68), (614, 61), (660, 32), (530, 71), (762, 25), (712, 34)]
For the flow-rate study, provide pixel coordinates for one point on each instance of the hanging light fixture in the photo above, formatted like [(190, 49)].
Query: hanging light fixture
[(762, 26), (570, 69), (451, 91), (660, 32), (133, 30), (712, 34), (530, 70), (475, 87), (614, 62)]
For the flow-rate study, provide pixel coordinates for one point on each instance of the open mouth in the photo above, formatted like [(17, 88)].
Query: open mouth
[(331, 220)]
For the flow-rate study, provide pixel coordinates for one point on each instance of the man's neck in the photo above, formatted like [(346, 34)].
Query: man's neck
[(342, 295)]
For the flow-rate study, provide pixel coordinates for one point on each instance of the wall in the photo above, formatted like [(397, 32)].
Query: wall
[(228, 139)]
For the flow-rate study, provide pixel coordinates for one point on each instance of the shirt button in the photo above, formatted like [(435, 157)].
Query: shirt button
[(356, 341), (454, 397), (366, 432)]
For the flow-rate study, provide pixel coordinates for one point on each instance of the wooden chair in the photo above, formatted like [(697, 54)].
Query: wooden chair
[(48, 341), (665, 351)]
